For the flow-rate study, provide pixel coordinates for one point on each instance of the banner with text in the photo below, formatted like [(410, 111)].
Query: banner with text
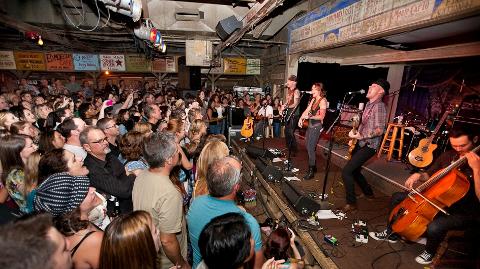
[(235, 66), (85, 62), (59, 61), (7, 60), (138, 63), (28, 60), (112, 62), (253, 67), (167, 64)]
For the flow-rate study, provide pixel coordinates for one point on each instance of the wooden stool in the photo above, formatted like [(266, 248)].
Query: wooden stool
[(269, 131), (391, 137)]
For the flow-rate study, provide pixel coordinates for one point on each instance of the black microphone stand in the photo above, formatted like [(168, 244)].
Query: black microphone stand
[(264, 119), (324, 204), (288, 165)]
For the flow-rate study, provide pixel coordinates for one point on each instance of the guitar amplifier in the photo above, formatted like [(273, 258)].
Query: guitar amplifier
[(233, 133)]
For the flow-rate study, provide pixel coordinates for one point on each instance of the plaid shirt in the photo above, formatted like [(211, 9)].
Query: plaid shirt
[(374, 117)]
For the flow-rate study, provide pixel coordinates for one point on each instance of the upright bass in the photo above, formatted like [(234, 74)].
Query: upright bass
[(411, 217)]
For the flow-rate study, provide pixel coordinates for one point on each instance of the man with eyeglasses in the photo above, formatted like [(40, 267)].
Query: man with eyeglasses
[(111, 131), (107, 173), (223, 182)]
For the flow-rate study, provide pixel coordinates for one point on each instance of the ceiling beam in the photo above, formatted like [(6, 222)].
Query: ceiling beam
[(46, 35), (444, 52), (255, 15)]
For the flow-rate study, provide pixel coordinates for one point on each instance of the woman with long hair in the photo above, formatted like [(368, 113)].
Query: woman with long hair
[(6, 119), (50, 140), (14, 152), (280, 245), (84, 237), (212, 151), (25, 128), (130, 241), (130, 146), (314, 114), (212, 118)]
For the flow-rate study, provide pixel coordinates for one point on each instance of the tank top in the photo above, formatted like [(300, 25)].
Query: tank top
[(75, 248), (314, 111)]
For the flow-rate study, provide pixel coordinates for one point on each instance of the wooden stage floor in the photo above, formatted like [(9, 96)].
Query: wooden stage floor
[(348, 254)]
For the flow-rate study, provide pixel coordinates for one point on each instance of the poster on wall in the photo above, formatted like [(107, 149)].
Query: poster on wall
[(138, 63), (59, 61), (214, 70), (167, 64), (253, 67), (27, 60), (198, 52), (85, 62), (235, 66), (112, 62), (7, 60)]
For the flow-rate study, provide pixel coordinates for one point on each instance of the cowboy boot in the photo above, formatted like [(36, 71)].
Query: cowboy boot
[(310, 174)]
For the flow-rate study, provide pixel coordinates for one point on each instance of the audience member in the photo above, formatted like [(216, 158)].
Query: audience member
[(71, 129)]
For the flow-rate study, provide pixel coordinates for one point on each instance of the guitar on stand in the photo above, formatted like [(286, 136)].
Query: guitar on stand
[(356, 119), (422, 156), (247, 128)]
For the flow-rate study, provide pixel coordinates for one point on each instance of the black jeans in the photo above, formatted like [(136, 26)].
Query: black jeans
[(440, 225), (351, 173), (289, 133), (311, 137)]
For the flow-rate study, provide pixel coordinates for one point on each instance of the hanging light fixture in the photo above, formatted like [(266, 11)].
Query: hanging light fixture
[(130, 8), (40, 41)]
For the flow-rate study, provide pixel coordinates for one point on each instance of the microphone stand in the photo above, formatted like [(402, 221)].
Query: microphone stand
[(288, 165), (264, 126), (324, 204)]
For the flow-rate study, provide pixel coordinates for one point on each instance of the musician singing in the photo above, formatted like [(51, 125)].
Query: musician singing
[(368, 136), (464, 214), (292, 100), (264, 118), (314, 114)]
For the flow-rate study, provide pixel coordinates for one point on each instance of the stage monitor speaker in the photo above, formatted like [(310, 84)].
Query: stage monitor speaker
[(302, 204), (255, 152), (195, 78), (227, 26), (269, 172)]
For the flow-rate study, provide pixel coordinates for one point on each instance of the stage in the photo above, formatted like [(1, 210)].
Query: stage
[(271, 202)]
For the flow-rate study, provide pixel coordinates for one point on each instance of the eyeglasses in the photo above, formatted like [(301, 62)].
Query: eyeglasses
[(100, 141), (113, 126)]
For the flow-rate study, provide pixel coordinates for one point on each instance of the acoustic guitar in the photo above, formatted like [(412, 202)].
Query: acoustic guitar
[(247, 128), (353, 142), (422, 156)]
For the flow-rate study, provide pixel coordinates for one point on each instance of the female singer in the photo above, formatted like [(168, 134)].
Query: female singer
[(314, 114)]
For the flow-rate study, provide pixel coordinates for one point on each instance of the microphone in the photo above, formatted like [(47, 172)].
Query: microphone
[(362, 91), (307, 92)]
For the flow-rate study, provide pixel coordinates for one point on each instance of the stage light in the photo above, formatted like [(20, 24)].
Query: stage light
[(163, 47), (40, 41), (130, 8), (153, 34), (158, 39)]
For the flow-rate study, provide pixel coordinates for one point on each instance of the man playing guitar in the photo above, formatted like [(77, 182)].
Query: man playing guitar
[(264, 117), (464, 214), (291, 102), (369, 136), (314, 114)]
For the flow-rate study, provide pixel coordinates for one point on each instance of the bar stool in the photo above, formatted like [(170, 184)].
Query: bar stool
[(269, 131), (391, 137)]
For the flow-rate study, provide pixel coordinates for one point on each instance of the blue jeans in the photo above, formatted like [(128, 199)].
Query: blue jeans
[(311, 137), (276, 129), (214, 129)]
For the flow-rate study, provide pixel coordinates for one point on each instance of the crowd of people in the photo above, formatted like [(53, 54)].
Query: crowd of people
[(127, 177)]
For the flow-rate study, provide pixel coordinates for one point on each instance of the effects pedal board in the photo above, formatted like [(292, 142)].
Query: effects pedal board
[(360, 231)]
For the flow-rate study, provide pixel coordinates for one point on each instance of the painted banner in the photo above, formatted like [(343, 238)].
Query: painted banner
[(167, 64), (214, 70), (253, 67), (85, 62), (344, 21), (112, 62), (235, 66), (138, 63), (7, 60), (59, 61), (27, 60)]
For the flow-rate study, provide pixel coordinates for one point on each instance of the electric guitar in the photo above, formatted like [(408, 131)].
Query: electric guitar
[(422, 156), (247, 128), (355, 123)]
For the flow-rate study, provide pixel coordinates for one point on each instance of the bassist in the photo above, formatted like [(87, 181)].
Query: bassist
[(292, 100), (463, 214), (369, 135), (314, 114)]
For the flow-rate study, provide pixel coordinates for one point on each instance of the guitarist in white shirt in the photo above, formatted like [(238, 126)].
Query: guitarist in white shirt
[(292, 101)]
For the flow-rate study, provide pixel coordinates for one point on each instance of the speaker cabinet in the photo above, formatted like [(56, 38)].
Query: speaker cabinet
[(302, 204), (227, 26), (255, 152)]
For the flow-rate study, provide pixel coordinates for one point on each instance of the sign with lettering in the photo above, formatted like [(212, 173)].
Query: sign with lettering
[(253, 67), (166, 64), (59, 61), (112, 62), (7, 60), (85, 62), (138, 63), (235, 66), (27, 60)]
